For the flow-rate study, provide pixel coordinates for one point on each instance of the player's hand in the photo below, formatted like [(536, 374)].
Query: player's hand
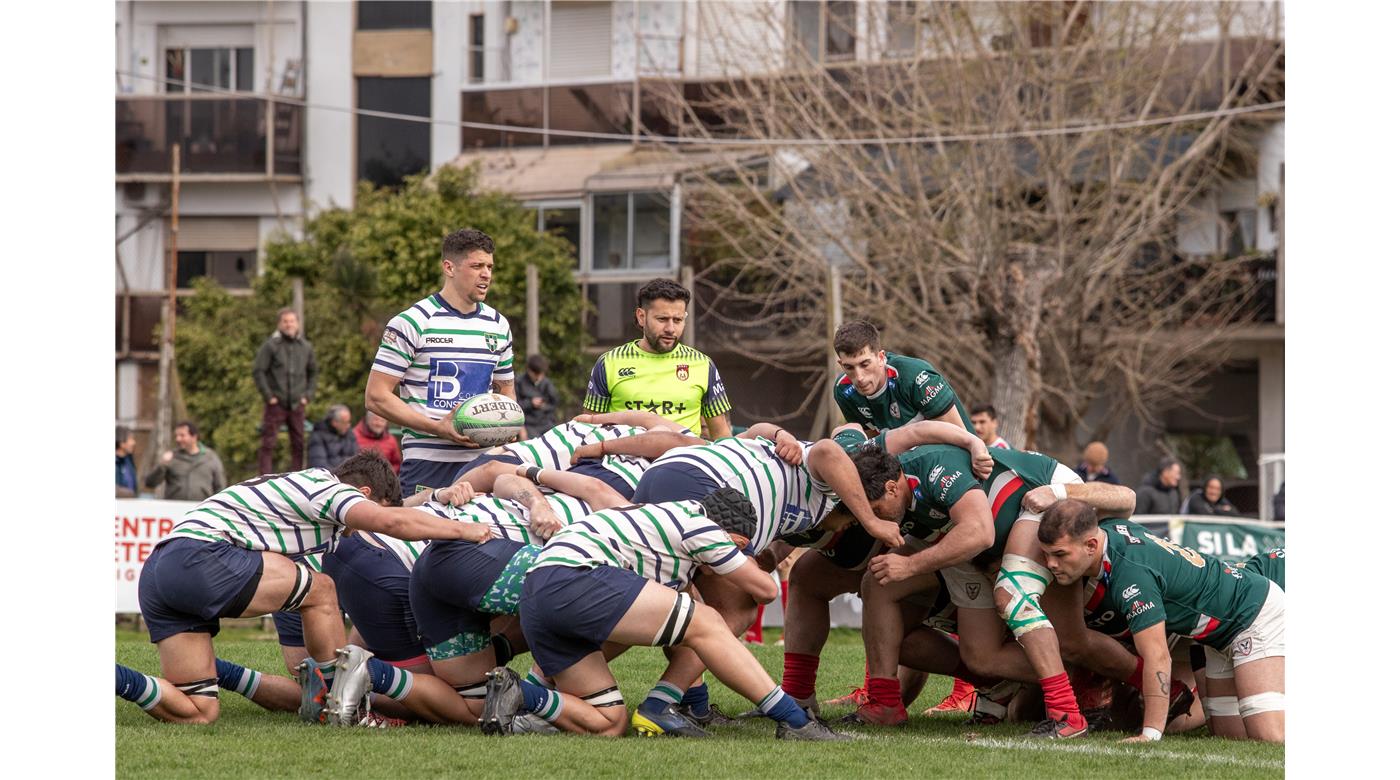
[(981, 460), (884, 531), (591, 450), (891, 567), (789, 449), (456, 494), (1038, 500), (1138, 738), (443, 429), (476, 532), (167, 456), (766, 560), (544, 523), (583, 418)]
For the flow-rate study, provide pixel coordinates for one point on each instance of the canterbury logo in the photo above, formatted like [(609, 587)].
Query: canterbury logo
[(627, 372)]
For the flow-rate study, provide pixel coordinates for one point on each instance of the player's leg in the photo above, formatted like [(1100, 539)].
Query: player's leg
[(189, 657), (1257, 655), (271, 692), (1222, 703), (157, 697), (812, 585), (885, 619)]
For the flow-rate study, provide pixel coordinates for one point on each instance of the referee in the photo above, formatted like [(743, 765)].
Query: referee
[(656, 373)]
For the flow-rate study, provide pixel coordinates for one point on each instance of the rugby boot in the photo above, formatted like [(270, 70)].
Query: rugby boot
[(713, 717), (856, 697), (1060, 728), (961, 699), (313, 692), (503, 701), (872, 714), (369, 719), (351, 685), (530, 723), (816, 730), (990, 706), (1182, 699), (664, 721)]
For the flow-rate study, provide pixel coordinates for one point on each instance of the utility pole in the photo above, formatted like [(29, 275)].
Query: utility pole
[(164, 411)]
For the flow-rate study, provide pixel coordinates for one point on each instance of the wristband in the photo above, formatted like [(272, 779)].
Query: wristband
[(434, 495), (1151, 733), (532, 473), (1061, 494)]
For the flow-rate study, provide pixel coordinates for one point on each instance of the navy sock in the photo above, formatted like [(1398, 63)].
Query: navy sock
[(780, 706), (698, 699), (541, 701), (389, 680), (238, 679), (141, 689)]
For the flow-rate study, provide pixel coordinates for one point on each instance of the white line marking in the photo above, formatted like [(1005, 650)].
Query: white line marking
[(998, 743)]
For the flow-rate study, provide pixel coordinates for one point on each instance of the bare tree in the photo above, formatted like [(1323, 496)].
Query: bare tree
[(1000, 186)]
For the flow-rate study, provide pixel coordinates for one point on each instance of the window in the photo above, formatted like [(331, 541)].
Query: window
[(390, 149), (563, 219), (902, 26), (1237, 238), (825, 31), (229, 269), (190, 69), (632, 231), (394, 15), (476, 53)]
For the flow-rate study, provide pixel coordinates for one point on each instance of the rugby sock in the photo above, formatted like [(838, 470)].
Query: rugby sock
[(800, 674), (542, 701), (784, 585), (535, 679), (662, 695), (327, 670), (140, 689), (1059, 698), (233, 677), (389, 680), (698, 699), (884, 691), (755, 632), (781, 707), (1136, 679)]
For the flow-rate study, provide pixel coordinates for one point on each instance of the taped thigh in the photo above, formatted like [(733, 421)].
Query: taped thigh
[(1221, 706), (209, 687), (673, 630), (608, 697), (1024, 582), (301, 587)]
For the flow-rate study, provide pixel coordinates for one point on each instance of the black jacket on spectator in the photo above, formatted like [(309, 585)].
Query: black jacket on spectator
[(326, 449), (1197, 504), (285, 369), (537, 421), (1154, 498)]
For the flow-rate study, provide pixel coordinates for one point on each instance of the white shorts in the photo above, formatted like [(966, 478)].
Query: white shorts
[(1262, 639), (968, 587)]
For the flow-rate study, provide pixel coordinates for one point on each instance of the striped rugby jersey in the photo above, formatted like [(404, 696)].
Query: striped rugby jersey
[(511, 519), (664, 542), (406, 552), (554, 447), (292, 514), (442, 357), (787, 498)]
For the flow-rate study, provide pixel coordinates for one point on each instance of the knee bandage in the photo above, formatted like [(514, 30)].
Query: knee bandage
[(476, 690), (1221, 706), (1259, 703), (673, 630), (1024, 581), (608, 697), (300, 589), (209, 687)]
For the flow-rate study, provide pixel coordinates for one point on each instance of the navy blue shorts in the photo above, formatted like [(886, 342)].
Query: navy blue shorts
[(373, 587), (594, 468), (673, 482), (448, 583), (568, 613), (504, 457), (187, 585), (428, 474)]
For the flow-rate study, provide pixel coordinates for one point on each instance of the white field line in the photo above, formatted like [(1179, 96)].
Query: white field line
[(1144, 752)]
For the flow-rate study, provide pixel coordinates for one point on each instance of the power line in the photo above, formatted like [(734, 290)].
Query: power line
[(673, 140)]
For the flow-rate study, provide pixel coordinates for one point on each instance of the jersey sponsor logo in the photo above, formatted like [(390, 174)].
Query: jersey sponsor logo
[(931, 391), (793, 518), (1139, 608), (921, 378), (1123, 530), (1130, 591), (946, 484), (973, 589), (1242, 647), (894, 409), (663, 408), (865, 410), (391, 337), (452, 381), (683, 371), (628, 371), (438, 340), (935, 473), (1099, 621)]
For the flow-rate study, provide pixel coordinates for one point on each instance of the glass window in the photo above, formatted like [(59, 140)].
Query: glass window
[(806, 28), (209, 69), (476, 37), (517, 107), (393, 15), (390, 149), (651, 230), (902, 20), (840, 30), (610, 232), (631, 231), (613, 316), (229, 269), (565, 222)]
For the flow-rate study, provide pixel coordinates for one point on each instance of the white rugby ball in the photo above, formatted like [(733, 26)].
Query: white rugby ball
[(490, 419)]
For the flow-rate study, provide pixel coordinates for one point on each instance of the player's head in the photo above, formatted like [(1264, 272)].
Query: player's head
[(859, 354), (732, 511), (186, 436), (288, 323), (661, 312), (984, 422), (371, 474), (1169, 472), (1069, 536), (882, 478), (467, 263)]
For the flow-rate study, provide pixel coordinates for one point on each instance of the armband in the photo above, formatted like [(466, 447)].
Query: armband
[(533, 474)]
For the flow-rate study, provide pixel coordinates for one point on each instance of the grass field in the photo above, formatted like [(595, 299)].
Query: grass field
[(250, 742)]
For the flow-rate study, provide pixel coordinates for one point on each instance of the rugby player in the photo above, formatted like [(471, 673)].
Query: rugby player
[(277, 694), (613, 577), (1161, 587), (231, 557), (435, 355), (656, 373)]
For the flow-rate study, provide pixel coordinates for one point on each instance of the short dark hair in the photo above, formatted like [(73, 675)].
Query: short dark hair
[(537, 363), (457, 245), (854, 336), (123, 433), (368, 468), (987, 409), (1067, 517), (663, 289), (193, 429), (1166, 463), (876, 467)]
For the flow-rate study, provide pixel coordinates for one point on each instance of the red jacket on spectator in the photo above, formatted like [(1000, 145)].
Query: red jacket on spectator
[(387, 445)]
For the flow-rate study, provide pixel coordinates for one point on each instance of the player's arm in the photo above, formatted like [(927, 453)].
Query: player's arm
[(715, 406), (828, 463), (1106, 499), (590, 490), (718, 427), (411, 525), (543, 521), (754, 581), (598, 396), (787, 445), (972, 532), (649, 445), (382, 398), (637, 419), (907, 437), (720, 552), (1151, 645)]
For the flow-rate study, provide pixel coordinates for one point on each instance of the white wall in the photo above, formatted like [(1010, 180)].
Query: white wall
[(328, 159), (1270, 163), (449, 54), (275, 36)]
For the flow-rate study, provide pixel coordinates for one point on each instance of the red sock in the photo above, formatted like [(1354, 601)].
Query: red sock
[(800, 675), (783, 585), (1059, 697), (755, 633), (884, 691), (1136, 679)]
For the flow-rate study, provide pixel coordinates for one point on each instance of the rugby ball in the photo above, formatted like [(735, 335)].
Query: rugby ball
[(490, 419)]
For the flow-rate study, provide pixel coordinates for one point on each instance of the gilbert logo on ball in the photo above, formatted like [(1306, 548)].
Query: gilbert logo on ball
[(490, 419)]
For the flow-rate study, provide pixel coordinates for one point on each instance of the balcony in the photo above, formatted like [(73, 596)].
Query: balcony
[(221, 138)]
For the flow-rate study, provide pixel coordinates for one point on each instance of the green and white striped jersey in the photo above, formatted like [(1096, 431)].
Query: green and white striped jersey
[(510, 519), (406, 552), (554, 448), (664, 542), (292, 514), (442, 357), (787, 498)]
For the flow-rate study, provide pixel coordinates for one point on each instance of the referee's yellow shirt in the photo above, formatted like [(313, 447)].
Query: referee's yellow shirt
[(682, 385)]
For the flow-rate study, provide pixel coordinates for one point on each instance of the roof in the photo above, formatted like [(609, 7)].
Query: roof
[(570, 171)]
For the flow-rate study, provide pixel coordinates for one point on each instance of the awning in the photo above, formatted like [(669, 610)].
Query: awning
[(571, 171)]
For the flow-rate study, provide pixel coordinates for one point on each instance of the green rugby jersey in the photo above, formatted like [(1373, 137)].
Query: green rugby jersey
[(913, 391), (1014, 474), (682, 385), (1267, 564), (1150, 580), (939, 476)]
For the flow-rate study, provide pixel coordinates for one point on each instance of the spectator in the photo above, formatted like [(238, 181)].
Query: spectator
[(538, 397), (1209, 499), (372, 433), (1158, 495), (332, 441), (1093, 465), (984, 423), (285, 373), (126, 463), (1278, 504), (192, 471)]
